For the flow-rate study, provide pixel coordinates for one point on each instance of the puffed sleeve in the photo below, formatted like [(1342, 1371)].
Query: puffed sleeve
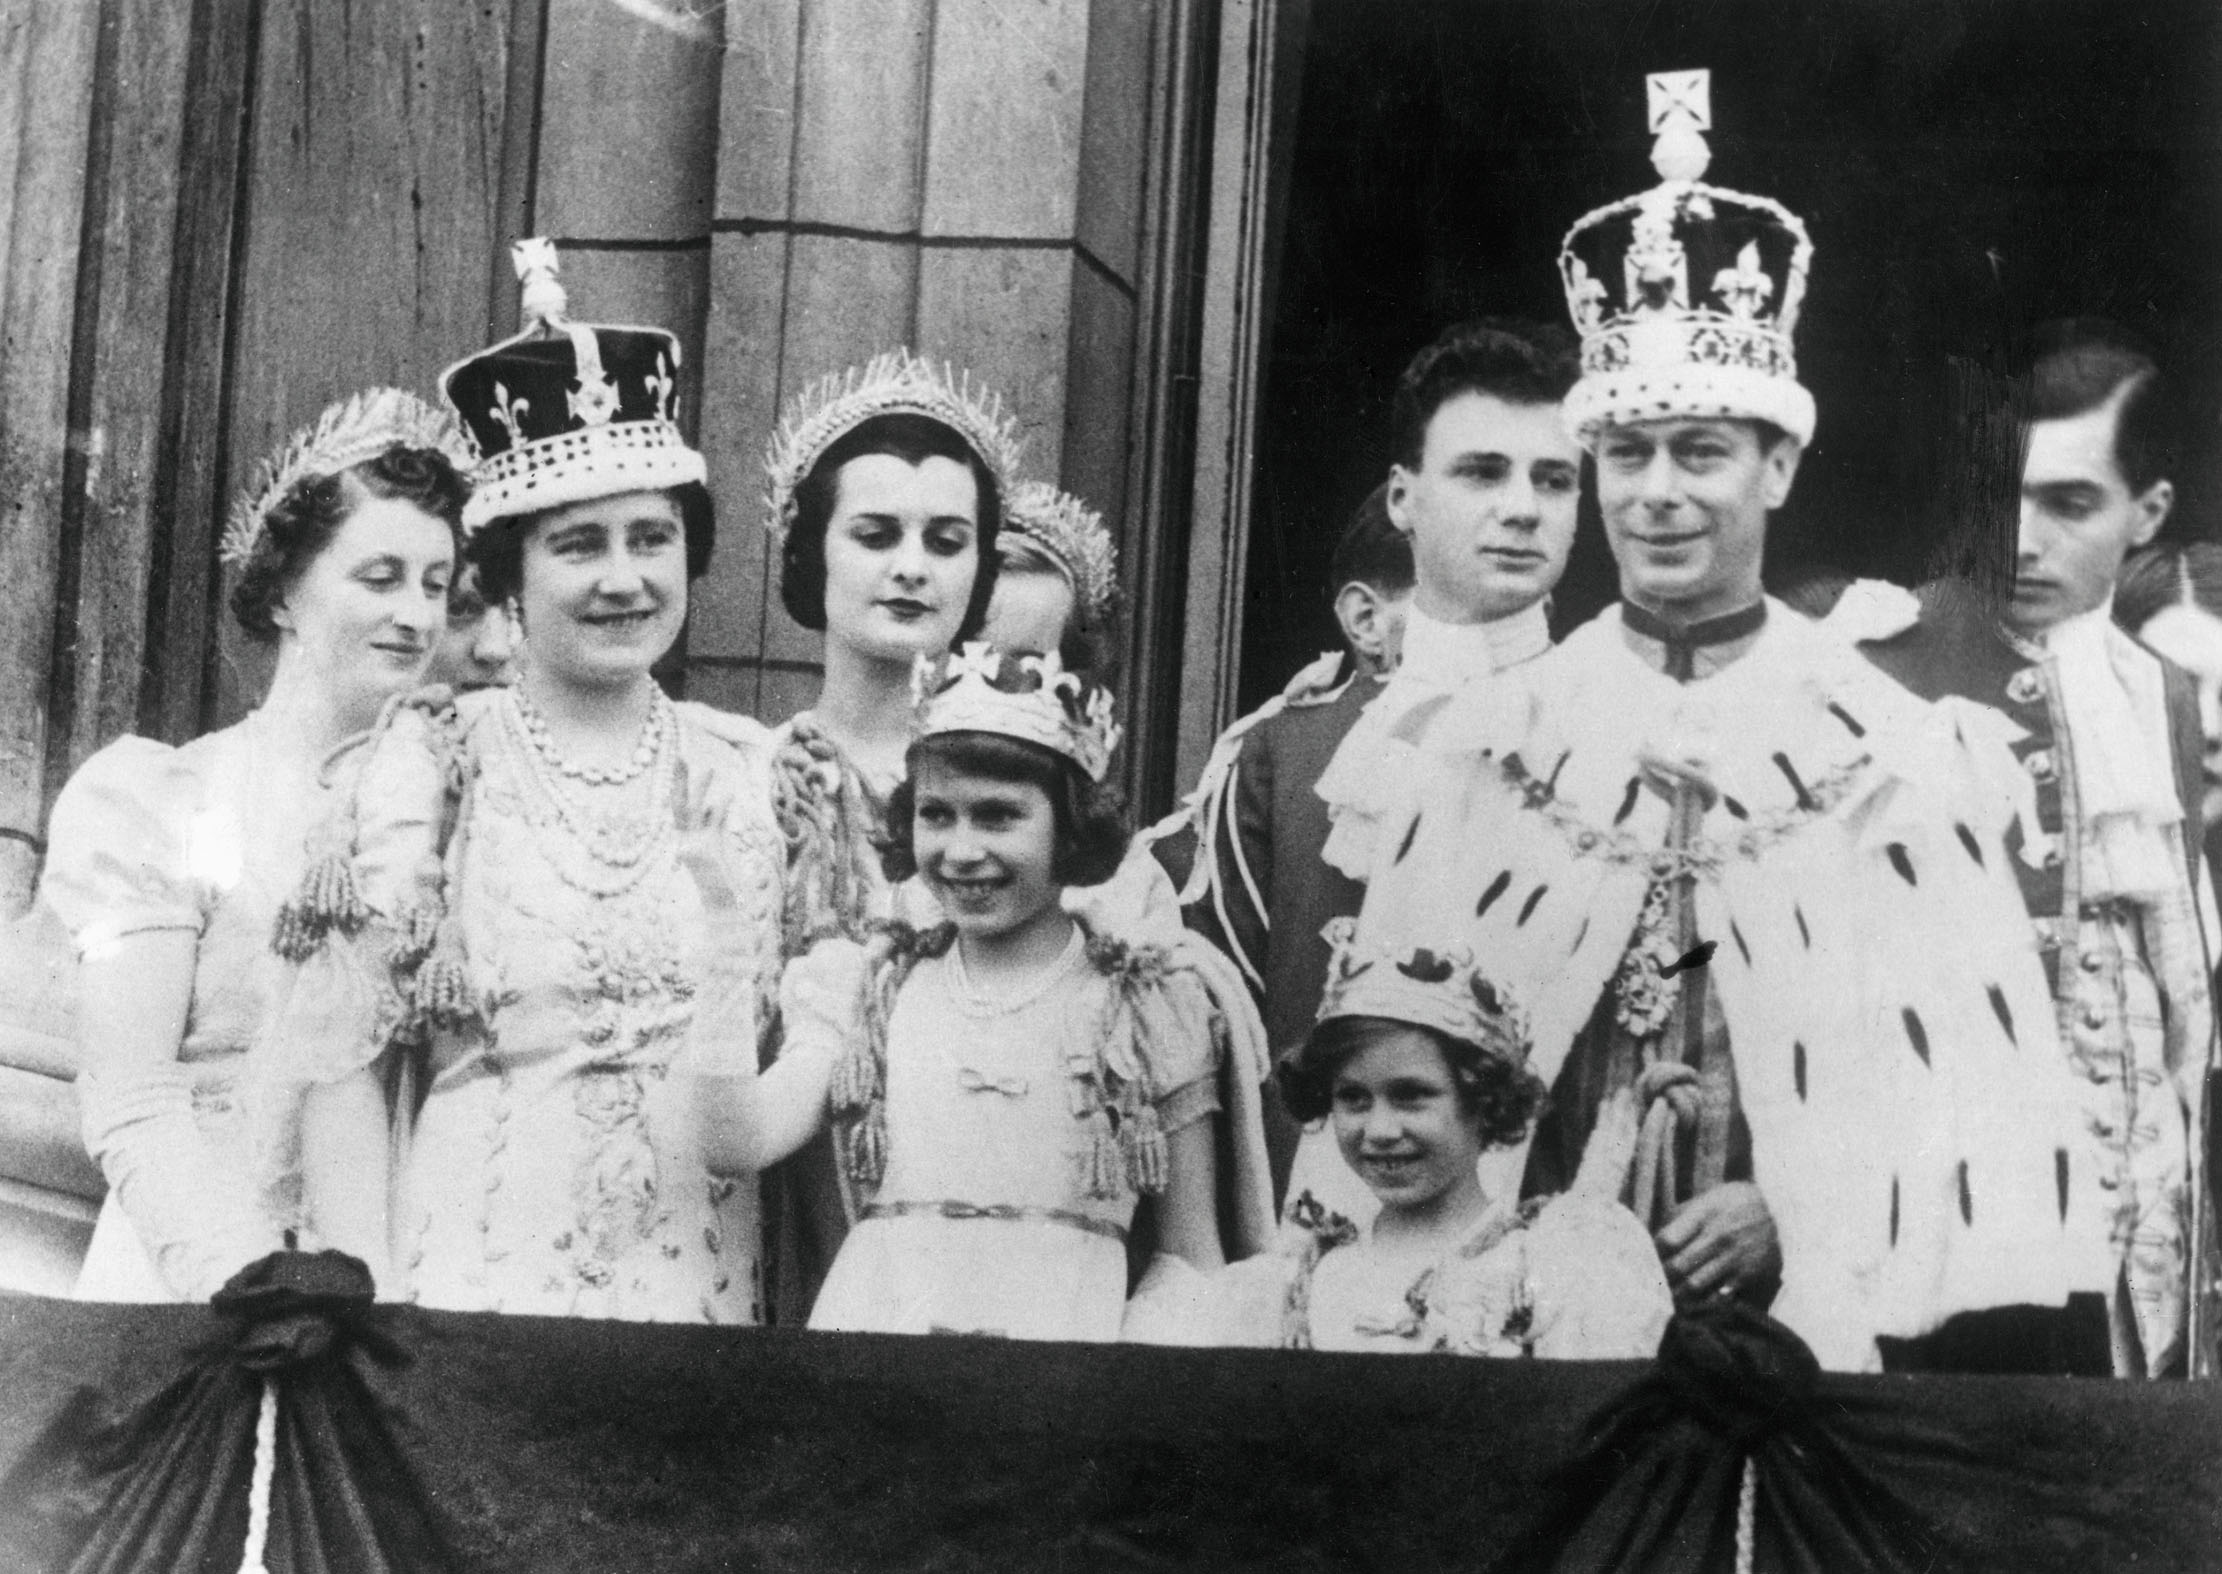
[(121, 845), (370, 948), (1199, 1039)]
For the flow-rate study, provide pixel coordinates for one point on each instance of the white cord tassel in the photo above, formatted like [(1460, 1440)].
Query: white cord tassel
[(1747, 1505), (266, 1470)]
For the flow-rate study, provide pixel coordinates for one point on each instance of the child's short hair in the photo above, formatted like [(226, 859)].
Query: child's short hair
[(1372, 550), (1091, 832), (1505, 1096)]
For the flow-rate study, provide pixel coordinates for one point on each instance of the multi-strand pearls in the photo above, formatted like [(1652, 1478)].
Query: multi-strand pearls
[(620, 843), (653, 731)]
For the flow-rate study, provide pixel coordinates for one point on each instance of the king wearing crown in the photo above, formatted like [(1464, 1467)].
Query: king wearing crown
[(1728, 864)]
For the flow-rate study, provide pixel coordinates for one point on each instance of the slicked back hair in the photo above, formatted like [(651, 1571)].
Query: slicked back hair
[(2083, 362)]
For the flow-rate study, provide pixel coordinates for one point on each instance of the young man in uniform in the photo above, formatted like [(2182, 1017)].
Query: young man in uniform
[(2105, 843)]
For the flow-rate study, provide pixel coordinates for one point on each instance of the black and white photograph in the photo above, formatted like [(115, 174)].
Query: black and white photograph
[(854, 784)]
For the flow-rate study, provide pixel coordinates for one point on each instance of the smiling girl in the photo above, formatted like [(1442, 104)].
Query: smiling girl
[(1419, 1066), (1008, 1084), (168, 865), (502, 915)]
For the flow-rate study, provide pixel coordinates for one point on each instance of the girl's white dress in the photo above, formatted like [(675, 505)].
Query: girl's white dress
[(834, 818), (202, 839), (1571, 1278), (998, 1152), (544, 964)]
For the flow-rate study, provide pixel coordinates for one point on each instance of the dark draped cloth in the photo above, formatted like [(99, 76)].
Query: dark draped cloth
[(163, 1482), (547, 1445)]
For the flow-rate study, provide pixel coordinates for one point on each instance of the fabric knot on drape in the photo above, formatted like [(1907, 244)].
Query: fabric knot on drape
[(289, 1374), (1731, 1452)]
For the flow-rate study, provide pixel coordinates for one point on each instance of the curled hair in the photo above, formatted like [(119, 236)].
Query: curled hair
[(2156, 578), (497, 548), (1091, 832), (302, 522), (2081, 363), (1372, 550), (1507, 358), (1506, 1098), (913, 439)]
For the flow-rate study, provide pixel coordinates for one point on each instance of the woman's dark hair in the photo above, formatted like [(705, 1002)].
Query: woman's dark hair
[(1505, 1097), (303, 521), (913, 439), (497, 548), (1091, 832)]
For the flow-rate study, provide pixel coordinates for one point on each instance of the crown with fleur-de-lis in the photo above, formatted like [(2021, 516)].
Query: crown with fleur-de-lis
[(1686, 295), (1070, 534), (1442, 989), (356, 429), (895, 382), (1018, 694), (566, 412)]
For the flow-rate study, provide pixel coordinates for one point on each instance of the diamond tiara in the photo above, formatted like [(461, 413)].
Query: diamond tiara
[(1072, 533), (895, 382), (345, 435)]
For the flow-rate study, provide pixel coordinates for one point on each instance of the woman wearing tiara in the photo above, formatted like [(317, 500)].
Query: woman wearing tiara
[(1057, 582), (168, 866), (886, 494), (505, 885)]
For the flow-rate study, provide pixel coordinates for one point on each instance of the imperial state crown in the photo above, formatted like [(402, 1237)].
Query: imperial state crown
[(1686, 295)]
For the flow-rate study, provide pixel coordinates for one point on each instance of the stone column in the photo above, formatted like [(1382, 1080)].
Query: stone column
[(966, 177)]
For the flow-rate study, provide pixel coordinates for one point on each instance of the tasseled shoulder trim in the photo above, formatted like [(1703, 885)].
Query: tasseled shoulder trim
[(832, 826), (858, 1096), (415, 936)]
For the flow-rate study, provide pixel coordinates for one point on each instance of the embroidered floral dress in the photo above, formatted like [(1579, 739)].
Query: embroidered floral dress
[(546, 951), (203, 839), (1571, 1278), (999, 1148)]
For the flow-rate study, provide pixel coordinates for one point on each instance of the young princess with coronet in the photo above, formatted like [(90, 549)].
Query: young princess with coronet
[(1007, 1085), (1419, 1064)]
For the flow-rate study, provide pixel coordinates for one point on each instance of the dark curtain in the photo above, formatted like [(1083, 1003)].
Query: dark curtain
[(541, 1444)]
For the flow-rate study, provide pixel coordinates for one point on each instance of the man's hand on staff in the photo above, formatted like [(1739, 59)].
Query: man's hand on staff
[(1723, 1239)]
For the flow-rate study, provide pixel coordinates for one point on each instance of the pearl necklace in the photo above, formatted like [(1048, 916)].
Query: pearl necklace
[(981, 1005), (620, 846), (652, 732)]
